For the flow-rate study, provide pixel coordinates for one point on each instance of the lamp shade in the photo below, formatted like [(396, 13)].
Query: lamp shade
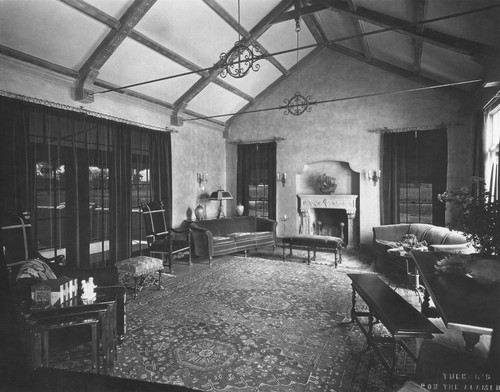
[(220, 195)]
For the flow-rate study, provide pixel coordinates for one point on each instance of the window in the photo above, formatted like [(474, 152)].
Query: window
[(415, 166), (258, 199), (50, 202), (492, 139), (257, 179), (415, 203), (141, 193)]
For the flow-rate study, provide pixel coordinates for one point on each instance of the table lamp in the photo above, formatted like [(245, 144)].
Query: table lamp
[(220, 195)]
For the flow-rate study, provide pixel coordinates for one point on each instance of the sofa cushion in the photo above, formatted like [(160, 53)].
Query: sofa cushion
[(264, 236), (436, 235), (243, 239), (245, 224), (224, 244), (420, 230), (387, 244), (454, 238)]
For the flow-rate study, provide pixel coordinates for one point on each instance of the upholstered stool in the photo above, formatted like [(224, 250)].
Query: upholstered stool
[(139, 268)]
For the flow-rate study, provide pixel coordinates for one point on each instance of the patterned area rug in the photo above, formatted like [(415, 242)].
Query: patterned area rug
[(250, 324)]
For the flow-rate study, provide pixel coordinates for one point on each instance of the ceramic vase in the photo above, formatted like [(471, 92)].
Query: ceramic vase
[(198, 212), (240, 209)]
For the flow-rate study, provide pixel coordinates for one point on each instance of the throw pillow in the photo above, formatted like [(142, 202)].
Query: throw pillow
[(33, 271)]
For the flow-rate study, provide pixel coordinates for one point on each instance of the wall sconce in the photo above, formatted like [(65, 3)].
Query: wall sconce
[(202, 178), (373, 176), (281, 177)]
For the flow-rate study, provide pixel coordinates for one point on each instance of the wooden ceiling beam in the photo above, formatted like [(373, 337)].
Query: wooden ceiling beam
[(141, 38), (309, 9), (93, 12), (315, 28), (393, 68), (203, 82), (360, 29), (245, 34), (418, 44), (101, 16), (446, 41), (89, 71)]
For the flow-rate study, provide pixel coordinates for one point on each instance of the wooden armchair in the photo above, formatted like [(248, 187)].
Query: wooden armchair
[(163, 240)]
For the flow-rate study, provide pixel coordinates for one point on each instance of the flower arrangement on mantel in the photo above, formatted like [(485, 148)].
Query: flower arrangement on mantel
[(477, 216), (327, 184)]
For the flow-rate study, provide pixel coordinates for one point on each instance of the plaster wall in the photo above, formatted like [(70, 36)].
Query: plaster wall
[(343, 130), (196, 147)]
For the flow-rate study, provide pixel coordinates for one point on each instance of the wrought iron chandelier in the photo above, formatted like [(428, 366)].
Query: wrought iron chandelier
[(298, 104), (240, 59)]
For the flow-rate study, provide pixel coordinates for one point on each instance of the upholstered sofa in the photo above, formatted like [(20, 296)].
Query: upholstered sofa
[(229, 235), (438, 239)]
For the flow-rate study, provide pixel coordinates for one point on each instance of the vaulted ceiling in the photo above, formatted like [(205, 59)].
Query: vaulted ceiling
[(169, 51)]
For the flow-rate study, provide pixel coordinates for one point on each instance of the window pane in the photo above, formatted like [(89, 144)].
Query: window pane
[(415, 203)]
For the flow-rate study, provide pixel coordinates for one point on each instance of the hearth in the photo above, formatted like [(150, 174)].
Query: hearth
[(329, 215)]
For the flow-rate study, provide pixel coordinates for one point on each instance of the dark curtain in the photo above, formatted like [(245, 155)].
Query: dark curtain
[(257, 164), (161, 176), (478, 163), (15, 194), (413, 157), (73, 174), (120, 179), (394, 152)]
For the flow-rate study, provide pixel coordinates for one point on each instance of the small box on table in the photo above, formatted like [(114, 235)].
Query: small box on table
[(54, 292)]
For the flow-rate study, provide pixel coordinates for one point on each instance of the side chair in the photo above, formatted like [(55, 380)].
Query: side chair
[(163, 240)]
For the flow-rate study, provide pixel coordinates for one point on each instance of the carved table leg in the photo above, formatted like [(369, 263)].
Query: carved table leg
[(353, 309)]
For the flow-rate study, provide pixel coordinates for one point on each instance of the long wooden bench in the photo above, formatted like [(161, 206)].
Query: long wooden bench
[(398, 316)]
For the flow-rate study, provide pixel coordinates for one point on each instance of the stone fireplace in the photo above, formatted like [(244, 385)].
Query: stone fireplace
[(315, 220)]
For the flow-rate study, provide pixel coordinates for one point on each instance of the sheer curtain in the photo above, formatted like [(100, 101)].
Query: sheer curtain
[(257, 179), (73, 173)]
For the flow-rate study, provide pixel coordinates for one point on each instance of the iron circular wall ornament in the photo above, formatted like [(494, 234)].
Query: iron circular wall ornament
[(240, 60), (297, 105)]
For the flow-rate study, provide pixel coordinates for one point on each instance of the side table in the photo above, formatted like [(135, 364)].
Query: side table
[(400, 255), (101, 316)]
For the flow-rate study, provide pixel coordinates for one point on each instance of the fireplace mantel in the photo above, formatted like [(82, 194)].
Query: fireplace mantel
[(343, 202), (334, 201)]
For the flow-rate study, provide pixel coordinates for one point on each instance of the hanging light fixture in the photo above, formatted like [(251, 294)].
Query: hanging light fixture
[(240, 59), (298, 104)]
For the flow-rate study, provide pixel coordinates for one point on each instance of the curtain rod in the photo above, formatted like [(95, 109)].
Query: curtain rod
[(80, 109), (415, 129), (274, 139)]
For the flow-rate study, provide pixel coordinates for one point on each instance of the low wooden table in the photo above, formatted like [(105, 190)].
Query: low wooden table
[(400, 318), (462, 303), (314, 243)]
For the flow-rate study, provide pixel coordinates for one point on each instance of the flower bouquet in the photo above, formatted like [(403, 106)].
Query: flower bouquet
[(410, 242)]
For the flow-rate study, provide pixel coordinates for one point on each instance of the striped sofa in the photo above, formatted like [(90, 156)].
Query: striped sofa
[(229, 235), (438, 239)]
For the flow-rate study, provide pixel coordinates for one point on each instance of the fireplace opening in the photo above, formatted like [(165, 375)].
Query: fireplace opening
[(330, 222)]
